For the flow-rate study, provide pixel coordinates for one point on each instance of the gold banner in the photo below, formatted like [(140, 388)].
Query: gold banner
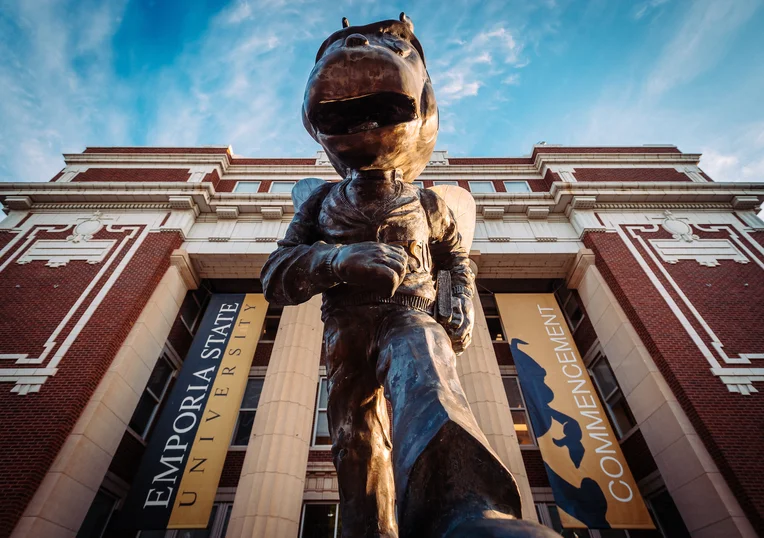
[(196, 492), (592, 484)]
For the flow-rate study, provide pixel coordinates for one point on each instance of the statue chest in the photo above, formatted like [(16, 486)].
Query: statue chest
[(397, 221)]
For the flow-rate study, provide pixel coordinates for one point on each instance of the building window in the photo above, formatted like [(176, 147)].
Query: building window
[(282, 187), (153, 395), (499, 339), (321, 521), (446, 183), (611, 395), (247, 186), (271, 324), (321, 422), (481, 187), (666, 515), (98, 516), (520, 416), (549, 515), (516, 186), (570, 307), (419, 184), (247, 411), (193, 307)]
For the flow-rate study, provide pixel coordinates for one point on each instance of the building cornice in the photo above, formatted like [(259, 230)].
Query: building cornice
[(171, 159), (602, 195)]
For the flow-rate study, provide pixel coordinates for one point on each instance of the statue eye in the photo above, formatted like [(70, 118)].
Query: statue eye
[(398, 45)]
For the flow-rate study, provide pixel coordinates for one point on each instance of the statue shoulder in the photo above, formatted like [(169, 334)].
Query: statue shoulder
[(432, 201), (313, 201)]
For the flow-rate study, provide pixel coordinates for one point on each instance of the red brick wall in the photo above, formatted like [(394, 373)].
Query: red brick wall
[(213, 177), (262, 354), (234, 462), (157, 150), (320, 455), (629, 174), (604, 149), (33, 427), (729, 424), (544, 185), (133, 175), (489, 160)]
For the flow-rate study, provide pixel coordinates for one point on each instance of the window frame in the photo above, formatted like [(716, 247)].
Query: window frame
[(524, 409), (257, 189), (563, 304), (484, 182), (270, 187), (164, 355), (318, 410), (451, 182), (527, 187), (336, 519), (269, 315), (238, 414), (202, 306), (116, 501), (615, 396), (418, 183)]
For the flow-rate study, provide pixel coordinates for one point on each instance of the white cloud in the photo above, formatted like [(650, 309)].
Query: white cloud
[(56, 86), (513, 79), (466, 65), (241, 84), (644, 8), (237, 12), (699, 43), (736, 158)]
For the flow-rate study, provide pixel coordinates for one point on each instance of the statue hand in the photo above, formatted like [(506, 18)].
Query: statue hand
[(462, 322), (375, 265)]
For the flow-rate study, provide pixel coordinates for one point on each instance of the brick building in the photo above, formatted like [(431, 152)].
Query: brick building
[(106, 271)]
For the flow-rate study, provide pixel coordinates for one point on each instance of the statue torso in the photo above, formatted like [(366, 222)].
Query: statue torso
[(399, 220)]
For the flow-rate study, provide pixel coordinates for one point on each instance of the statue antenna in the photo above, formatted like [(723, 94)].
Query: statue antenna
[(407, 21)]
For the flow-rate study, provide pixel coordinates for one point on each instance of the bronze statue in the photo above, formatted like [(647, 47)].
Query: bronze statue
[(373, 244)]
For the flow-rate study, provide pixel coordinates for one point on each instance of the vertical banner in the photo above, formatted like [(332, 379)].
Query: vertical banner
[(176, 483), (592, 485)]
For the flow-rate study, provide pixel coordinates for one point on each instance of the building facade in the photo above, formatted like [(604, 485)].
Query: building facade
[(107, 269)]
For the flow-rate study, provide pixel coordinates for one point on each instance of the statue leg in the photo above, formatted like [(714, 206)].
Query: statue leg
[(448, 480), (359, 428)]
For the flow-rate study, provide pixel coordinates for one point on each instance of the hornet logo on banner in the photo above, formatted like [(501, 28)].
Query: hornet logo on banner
[(592, 485), (176, 484)]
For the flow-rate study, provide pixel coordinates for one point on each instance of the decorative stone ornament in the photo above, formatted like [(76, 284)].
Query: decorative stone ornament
[(678, 228), (85, 231)]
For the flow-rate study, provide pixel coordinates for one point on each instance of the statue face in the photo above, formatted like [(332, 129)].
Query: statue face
[(369, 101)]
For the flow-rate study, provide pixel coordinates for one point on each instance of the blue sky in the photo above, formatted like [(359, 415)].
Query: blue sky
[(506, 75)]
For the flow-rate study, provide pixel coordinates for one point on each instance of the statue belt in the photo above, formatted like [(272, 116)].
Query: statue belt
[(359, 299)]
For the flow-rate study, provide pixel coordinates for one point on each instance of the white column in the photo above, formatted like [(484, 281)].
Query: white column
[(480, 377), (269, 496)]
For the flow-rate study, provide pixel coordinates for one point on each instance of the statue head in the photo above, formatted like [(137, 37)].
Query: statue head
[(369, 101)]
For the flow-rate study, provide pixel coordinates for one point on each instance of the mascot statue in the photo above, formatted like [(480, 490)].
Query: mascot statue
[(397, 300)]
